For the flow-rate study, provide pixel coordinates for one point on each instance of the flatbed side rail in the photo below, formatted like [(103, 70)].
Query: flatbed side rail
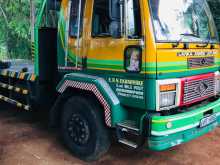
[(19, 75)]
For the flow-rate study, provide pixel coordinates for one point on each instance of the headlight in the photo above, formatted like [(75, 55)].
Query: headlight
[(167, 99), (168, 94), (217, 83)]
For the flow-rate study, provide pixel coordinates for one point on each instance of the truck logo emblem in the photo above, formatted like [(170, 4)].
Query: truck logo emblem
[(203, 61), (201, 88)]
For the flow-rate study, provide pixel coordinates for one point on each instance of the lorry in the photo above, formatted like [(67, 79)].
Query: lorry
[(145, 71)]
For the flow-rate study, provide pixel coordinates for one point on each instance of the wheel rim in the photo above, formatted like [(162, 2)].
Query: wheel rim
[(78, 129)]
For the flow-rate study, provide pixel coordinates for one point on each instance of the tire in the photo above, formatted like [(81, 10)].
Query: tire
[(83, 129)]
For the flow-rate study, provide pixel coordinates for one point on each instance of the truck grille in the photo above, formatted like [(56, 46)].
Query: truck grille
[(198, 89), (200, 62)]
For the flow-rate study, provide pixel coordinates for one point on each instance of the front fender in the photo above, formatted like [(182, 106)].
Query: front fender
[(113, 111)]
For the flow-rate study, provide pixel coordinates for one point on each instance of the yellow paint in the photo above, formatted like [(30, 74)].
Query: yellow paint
[(21, 76), (64, 6), (33, 77)]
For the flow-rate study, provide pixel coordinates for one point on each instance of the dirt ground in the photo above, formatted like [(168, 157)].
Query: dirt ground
[(25, 140)]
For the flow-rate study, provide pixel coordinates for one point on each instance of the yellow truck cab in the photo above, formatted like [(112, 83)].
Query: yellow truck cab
[(145, 69)]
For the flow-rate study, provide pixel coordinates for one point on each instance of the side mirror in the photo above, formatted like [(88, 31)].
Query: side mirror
[(116, 16)]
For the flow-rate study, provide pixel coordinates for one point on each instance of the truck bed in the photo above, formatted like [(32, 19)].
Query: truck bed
[(19, 65), (21, 69)]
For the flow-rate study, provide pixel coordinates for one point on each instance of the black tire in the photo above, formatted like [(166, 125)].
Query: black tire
[(83, 129)]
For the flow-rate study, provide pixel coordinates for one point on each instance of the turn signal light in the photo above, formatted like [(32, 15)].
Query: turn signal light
[(167, 87)]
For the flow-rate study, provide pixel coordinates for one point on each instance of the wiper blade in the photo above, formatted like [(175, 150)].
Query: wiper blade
[(190, 34), (202, 45), (177, 43), (197, 36)]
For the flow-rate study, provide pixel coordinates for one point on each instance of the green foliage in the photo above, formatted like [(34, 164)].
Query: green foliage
[(15, 31)]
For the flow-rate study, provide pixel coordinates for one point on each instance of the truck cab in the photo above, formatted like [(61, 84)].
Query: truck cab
[(145, 69), (158, 63)]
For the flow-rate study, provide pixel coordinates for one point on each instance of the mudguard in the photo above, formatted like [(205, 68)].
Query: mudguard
[(113, 111)]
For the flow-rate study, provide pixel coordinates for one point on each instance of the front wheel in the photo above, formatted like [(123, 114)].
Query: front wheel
[(83, 129)]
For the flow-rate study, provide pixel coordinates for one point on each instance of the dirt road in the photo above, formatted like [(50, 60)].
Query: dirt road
[(25, 140)]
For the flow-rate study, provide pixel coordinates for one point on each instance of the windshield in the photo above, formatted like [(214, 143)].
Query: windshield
[(183, 21)]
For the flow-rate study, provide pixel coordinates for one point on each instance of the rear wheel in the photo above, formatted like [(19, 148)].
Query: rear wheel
[(83, 129)]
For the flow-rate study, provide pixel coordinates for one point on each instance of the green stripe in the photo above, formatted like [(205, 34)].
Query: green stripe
[(184, 119), (171, 68), (162, 64), (105, 62), (72, 56), (176, 68), (106, 66), (162, 75)]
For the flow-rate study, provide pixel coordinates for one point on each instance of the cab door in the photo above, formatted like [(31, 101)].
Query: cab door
[(116, 48), (74, 37)]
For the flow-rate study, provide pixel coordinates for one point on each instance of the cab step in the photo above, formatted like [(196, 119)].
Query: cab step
[(129, 134), (14, 88), (128, 143), (129, 126), (14, 102)]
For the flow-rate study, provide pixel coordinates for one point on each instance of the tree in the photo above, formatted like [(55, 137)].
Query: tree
[(15, 29)]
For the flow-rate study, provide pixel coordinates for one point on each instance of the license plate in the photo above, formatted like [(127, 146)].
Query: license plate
[(208, 120)]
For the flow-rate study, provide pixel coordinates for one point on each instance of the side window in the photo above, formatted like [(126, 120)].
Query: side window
[(133, 19), (74, 17), (101, 20)]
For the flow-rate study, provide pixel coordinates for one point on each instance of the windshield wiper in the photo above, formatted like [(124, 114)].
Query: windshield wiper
[(185, 45), (202, 45), (190, 34), (197, 36), (177, 43)]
